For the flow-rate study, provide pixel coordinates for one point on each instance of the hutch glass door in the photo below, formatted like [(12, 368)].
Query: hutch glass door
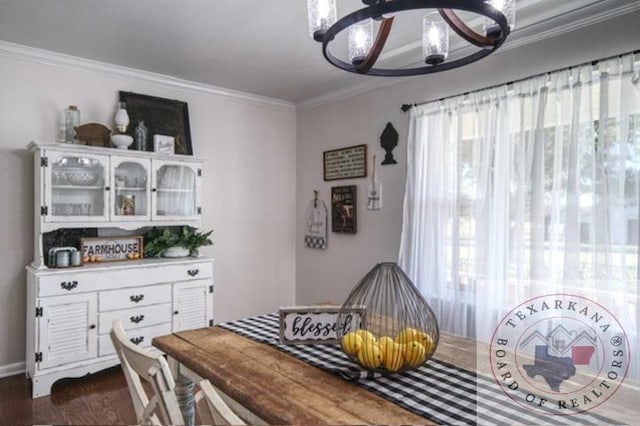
[(176, 189), (130, 193), (76, 187)]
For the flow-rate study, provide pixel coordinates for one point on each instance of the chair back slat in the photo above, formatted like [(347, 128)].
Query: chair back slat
[(209, 401), (163, 407), (140, 364)]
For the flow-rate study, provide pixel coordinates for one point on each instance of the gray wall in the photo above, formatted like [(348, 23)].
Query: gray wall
[(248, 183), (329, 275)]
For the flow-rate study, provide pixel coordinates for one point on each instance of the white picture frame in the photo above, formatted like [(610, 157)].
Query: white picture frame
[(163, 144)]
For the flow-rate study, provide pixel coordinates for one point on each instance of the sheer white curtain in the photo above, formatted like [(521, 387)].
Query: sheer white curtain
[(524, 190)]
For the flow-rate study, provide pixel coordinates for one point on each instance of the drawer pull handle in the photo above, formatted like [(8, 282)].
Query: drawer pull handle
[(193, 272), (176, 312), (136, 298), (92, 327), (136, 319), (69, 285), (137, 340)]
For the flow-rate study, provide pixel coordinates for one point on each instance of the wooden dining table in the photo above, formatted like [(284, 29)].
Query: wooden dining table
[(267, 386)]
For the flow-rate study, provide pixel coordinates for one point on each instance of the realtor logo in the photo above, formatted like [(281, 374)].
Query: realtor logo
[(551, 350), (559, 354)]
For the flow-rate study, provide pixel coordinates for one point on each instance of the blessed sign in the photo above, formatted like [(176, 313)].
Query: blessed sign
[(315, 324)]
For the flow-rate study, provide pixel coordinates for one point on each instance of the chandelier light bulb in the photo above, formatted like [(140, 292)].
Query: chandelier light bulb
[(435, 39), (360, 40), (321, 14), (508, 9)]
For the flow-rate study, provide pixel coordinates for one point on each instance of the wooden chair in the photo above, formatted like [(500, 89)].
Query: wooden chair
[(163, 407)]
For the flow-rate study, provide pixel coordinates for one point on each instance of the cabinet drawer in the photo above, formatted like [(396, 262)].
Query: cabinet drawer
[(141, 337), (134, 297), (135, 318), (79, 280)]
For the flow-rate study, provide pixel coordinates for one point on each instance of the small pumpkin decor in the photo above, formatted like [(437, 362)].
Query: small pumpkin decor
[(175, 242), (399, 331)]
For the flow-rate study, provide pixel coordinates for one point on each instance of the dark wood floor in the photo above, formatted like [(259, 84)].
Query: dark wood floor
[(98, 399)]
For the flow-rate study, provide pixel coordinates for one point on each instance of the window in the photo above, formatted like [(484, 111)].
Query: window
[(525, 190)]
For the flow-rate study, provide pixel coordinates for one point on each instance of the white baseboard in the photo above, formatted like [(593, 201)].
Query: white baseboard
[(11, 369)]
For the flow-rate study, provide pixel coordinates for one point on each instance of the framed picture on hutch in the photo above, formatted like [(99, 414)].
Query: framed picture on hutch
[(161, 116)]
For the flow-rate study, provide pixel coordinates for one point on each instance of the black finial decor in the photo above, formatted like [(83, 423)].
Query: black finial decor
[(388, 141)]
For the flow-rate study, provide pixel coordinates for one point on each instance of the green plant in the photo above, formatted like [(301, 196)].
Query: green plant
[(157, 241)]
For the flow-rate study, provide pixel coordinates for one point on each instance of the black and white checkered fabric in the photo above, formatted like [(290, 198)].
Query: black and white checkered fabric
[(438, 390), (315, 242)]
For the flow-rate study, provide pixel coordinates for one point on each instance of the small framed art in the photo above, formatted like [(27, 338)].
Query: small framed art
[(344, 209), (163, 144)]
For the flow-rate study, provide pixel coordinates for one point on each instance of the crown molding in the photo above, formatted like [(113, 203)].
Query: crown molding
[(550, 28), (47, 57), (568, 23)]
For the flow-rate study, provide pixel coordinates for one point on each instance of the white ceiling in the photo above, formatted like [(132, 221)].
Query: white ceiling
[(256, 46)]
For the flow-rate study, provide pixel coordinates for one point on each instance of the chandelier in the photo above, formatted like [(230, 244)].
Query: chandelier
[(363, 50)]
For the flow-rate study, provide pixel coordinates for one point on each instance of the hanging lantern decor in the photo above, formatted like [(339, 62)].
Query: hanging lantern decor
[(399, 331)]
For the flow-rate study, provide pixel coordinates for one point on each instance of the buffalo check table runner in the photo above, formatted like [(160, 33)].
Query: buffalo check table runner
[(438, 390)]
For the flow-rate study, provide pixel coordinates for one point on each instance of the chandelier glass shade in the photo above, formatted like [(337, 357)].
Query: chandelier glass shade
[(364, 48)]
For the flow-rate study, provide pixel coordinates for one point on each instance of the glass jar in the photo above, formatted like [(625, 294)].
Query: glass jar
[(141, 136), (71, 121), (62, 127)]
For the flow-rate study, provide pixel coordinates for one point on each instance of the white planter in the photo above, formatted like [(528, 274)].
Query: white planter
[(176, 251)]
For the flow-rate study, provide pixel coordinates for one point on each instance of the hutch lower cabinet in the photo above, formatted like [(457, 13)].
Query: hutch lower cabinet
[(70, 312)]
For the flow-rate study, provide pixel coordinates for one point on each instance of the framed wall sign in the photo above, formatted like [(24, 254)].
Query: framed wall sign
[(315, 324), (344, 209), (161, 117), (345, 163), (112, 248)]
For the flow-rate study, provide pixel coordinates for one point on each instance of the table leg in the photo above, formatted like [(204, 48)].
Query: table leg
[(184, 393)]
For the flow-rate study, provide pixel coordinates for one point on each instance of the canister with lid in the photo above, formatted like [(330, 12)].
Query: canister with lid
[(71, 121)]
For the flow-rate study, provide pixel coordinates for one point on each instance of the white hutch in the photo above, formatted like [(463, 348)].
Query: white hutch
[(70, 309)]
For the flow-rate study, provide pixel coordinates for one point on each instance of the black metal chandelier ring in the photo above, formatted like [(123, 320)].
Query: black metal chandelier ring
[(446, 9)]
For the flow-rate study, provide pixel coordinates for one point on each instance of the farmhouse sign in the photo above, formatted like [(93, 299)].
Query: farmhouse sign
[(315, 324), (111, 248)]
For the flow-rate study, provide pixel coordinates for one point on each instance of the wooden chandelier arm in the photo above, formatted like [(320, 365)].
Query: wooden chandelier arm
[(378, 45), (464, 31)]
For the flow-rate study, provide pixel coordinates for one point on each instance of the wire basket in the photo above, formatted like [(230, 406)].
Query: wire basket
[(398, 330)]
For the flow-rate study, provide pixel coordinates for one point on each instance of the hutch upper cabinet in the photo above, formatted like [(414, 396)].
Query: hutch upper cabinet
[(70, 310), (81, 187)]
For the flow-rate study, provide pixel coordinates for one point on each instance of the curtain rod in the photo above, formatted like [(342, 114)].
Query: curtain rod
[(407, 107)]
